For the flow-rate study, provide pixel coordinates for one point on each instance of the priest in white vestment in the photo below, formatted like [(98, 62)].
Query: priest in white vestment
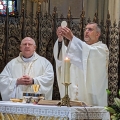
[(89, 65), (27, 69)]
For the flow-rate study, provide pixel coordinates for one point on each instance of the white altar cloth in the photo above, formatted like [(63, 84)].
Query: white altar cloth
[(73, 113)]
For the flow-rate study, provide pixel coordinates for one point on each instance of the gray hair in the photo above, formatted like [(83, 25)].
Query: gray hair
[(98, 28)]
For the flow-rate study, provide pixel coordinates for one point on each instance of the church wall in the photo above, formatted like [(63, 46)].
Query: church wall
[(90, 7), (63, 7), (114, 10), (99, 6)]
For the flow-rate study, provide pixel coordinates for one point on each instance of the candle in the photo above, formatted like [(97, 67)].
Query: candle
[(67, 70)]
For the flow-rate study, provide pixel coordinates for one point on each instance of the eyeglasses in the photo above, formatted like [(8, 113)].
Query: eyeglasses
[(26, 44), (89, 29)]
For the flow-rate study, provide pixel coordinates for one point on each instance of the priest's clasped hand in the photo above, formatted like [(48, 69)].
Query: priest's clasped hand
[(25, 80)]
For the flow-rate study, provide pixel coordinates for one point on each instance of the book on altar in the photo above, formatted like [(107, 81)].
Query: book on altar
[(58, 103)]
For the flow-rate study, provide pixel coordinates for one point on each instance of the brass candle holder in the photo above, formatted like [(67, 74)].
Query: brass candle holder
[(65, 101)]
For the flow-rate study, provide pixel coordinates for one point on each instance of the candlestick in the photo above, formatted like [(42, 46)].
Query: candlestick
[(65, 101), (67, 70)]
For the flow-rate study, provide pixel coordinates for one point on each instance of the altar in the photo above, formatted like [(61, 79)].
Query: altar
[(13, 110)]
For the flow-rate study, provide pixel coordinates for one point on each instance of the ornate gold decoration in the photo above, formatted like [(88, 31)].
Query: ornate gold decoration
[(39, 1), (65, 101), (35, 88), (8, 116), (27, 68)]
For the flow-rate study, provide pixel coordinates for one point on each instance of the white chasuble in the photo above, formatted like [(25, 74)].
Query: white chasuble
[(40, 69), (89, 71)]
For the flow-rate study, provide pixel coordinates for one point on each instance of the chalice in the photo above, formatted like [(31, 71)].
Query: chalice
[(35, 88)]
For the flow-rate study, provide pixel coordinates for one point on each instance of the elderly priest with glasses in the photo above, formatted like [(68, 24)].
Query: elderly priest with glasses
[(27, 69)]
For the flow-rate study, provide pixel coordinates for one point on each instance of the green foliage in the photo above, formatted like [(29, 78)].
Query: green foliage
[(115, 108), (108, 91)]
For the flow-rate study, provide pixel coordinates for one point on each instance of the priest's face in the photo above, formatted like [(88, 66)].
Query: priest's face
[(91, 34), (27, 47)]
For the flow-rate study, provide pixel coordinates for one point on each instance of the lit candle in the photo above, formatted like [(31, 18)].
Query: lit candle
[(67, 70)]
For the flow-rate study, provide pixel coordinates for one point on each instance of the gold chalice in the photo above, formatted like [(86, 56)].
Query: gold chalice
[(35, 88)]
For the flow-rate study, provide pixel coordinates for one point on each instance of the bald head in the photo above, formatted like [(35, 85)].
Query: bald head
[(28, 39), (27, 47)]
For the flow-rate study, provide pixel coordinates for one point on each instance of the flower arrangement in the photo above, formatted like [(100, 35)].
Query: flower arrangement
[(115, 108)]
